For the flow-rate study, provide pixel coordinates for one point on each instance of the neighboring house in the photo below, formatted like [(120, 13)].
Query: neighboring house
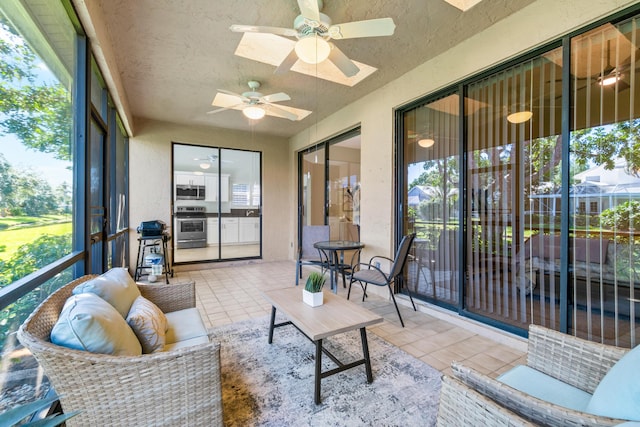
[(596, 189), (418, 194)]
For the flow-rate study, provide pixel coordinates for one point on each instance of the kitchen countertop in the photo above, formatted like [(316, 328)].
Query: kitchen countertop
[(236, 213)]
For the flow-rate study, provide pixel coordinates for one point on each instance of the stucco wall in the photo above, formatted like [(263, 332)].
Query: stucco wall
[(535, 25), (151, 170)]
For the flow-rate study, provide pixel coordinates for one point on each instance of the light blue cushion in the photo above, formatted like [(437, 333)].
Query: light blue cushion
[(546, 388), (115, 287), (618, 394), (89, 323), (187, 343), (184, 325)]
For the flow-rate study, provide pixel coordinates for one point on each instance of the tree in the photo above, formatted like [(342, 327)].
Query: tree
[(604, 144), (32, 195), (6, 185), (27, 259), (23, 192), (39, 114)]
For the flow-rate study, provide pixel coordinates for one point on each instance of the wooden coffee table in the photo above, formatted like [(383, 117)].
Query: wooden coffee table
[(335, 316)]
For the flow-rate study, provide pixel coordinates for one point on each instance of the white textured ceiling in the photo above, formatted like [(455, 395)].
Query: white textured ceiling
[(173, 55)]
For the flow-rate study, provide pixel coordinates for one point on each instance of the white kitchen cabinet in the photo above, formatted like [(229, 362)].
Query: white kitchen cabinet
[(229, 230), (224, 188), (211, 187), (249, 230), (212, 231), (186, 178)]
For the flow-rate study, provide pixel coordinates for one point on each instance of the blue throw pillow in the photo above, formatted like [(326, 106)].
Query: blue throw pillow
[(618, 394), (115, 287), (89, 323)]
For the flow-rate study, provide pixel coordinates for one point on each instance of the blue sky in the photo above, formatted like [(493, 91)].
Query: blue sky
[(414, 171), (44, 164)]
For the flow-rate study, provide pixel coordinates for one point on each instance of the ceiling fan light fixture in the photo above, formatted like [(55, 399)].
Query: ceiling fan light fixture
[(426, 142), (519, 117), (312, 49), (609, 79), (253, 112)]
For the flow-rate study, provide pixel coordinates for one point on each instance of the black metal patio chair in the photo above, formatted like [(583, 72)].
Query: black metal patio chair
[(375, 276)]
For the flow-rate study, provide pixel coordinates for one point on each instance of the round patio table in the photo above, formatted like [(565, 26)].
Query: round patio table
[(334, 250)]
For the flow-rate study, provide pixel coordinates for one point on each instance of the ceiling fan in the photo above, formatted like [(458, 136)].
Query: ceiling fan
[(314, 30), (255, 105), (210, 160)]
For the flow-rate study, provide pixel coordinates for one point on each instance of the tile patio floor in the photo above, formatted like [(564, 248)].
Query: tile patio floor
[(228, 294)]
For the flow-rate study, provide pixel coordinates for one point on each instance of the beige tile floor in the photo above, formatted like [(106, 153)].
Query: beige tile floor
[(231, 293)]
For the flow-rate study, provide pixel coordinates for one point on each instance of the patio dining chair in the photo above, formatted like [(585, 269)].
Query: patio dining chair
[(307, 254), (369, 273), (349, 259)]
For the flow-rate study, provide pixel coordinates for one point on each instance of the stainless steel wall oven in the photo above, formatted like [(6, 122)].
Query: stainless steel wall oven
[(191, 227)]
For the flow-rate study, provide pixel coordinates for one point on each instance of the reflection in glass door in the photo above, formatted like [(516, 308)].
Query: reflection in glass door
[(312, 185), (329, 188), (217, 203), (432, 174), (512, 204), (344, 187)]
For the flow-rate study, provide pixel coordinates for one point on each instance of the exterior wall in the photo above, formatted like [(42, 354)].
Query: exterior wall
[(150, 173), (535, 25)]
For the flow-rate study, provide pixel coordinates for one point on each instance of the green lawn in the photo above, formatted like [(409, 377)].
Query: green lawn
[(16, 231)]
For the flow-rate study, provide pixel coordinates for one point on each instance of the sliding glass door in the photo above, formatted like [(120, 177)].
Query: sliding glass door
[(217, 203), (329, 186), (432, 173), (546, 200)]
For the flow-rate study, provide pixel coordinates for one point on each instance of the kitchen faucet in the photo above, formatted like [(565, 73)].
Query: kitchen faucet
[(250, 213)]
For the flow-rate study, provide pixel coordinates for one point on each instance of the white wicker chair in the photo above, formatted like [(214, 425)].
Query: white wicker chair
[(572, 360), (180, 387), (460, 405)]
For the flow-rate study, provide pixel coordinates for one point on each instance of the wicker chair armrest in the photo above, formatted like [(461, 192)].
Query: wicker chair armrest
[(180, 387), (168, 298), (461, 405), (526, 406), (570, 359)]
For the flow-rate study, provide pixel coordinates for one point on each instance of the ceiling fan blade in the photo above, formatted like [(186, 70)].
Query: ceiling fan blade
[(287, 63), (218, 110), (369, 28), (272, 110), (343, 63), (309, 9), (290, 32), (276, 97), (244, 98)]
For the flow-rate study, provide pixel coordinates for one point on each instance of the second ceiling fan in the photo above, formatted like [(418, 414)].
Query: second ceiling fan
[(255, 105), (314, 30)]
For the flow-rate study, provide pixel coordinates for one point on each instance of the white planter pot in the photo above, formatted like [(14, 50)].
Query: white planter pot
[(313, 299)]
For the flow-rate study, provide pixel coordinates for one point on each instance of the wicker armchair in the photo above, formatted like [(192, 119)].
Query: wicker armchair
[(180, 387), (572, 360), (460, 405)]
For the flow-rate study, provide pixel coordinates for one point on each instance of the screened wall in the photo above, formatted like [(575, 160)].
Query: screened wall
[(63, 177), (538, 223)]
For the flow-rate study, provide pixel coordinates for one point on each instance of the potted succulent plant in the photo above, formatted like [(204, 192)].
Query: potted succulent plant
[(312, 292)]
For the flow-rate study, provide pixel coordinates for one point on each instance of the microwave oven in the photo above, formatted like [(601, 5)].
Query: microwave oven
[(190, 192)]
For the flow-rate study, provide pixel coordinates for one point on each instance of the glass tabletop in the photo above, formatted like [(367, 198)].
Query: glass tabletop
[(338, 245)]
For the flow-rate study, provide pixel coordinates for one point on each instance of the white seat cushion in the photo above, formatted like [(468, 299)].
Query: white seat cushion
[(184, 325), (546, 388), (187, 343)]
